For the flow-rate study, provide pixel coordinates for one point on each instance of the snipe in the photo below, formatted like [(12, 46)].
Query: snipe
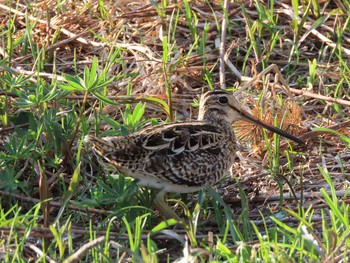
[(181, 157)]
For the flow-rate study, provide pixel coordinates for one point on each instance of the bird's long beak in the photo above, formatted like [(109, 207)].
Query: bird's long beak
[(248, 117)]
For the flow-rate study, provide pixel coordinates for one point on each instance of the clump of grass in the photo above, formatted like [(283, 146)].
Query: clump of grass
[(61, 69), (288, 116)]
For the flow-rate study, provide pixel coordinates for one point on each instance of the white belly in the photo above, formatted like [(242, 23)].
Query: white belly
[(157, 183)]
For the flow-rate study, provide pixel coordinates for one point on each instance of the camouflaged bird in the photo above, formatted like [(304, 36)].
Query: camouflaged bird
[(181, 157)]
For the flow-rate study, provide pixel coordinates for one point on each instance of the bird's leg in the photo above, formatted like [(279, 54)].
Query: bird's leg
[(164, 209)]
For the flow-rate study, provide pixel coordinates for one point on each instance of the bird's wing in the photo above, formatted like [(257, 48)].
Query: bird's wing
[(180, 137), (186, 154), (169, 139)]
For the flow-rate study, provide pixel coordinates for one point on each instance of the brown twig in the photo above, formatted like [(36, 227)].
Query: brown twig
[(320, 97), (78, 255), (289, 12), (314, 134), (8, 129), (287, 196), (56, 45), (64, 31), (53, 203)]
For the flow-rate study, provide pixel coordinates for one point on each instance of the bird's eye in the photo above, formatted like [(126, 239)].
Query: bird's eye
[(223, 100)]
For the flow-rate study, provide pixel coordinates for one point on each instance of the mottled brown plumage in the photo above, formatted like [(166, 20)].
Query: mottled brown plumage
[(181, 157)]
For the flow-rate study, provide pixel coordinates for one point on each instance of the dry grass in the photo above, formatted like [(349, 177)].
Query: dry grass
[(137, 29)]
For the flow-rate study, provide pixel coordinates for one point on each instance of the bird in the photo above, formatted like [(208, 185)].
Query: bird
[(182, 157)]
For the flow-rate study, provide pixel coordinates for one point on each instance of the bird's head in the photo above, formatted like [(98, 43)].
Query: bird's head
[(220, 106)]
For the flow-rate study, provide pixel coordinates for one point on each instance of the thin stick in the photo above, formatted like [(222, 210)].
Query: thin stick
[(64, 31), (54, 203), (78, 255), (222, 48), (289, 12), (286, 196), (320, 97)]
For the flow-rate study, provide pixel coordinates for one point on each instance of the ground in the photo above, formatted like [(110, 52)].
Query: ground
[(73, 68)]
